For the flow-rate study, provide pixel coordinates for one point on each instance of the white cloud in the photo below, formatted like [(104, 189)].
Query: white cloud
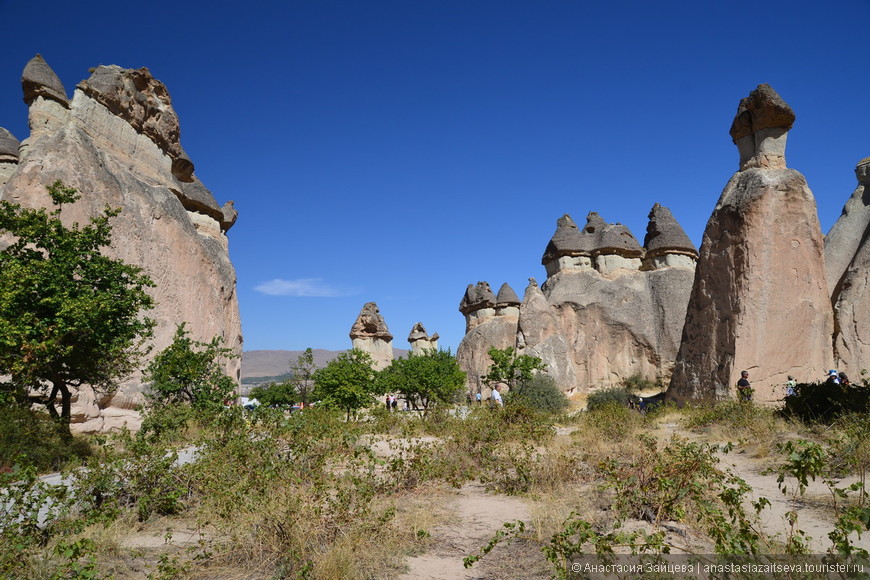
[(308, 287)]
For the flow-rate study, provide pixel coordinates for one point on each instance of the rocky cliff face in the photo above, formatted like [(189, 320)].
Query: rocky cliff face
[(117, 142), (609, 309), (760, 298)]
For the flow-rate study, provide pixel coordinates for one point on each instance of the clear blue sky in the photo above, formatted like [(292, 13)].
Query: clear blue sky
[(396, 151)]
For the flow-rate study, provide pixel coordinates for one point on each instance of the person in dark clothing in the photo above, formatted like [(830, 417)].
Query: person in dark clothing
[(744, 388)]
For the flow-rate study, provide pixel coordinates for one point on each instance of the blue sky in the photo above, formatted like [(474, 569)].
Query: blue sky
[(397, 151)]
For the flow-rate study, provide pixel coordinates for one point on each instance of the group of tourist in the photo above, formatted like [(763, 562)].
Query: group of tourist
[(744, 388)]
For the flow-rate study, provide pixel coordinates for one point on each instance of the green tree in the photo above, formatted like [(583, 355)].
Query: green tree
[(189, 371), (69, 315), (346, 382), (514, 370), (424, 379), (298, 387)]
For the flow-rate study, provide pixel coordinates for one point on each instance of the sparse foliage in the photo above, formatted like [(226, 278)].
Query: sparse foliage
[(516, 370)]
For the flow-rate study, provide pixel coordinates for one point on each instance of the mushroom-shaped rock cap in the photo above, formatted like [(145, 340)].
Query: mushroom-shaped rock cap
[(38, 80), (230, 215), (507, 296), (611, 238), (568, 241), (137, 97), (477, 297), (664, 234), (370, 324), (195, 196), (418, 333), (8, 145), (762, 109)]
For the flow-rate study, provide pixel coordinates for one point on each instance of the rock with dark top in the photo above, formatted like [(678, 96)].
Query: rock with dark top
[(477, 297), (39, 80), (664, 235), (760, 300), (137, 97), (370, 334), (760, 127), (8, 146), (506, 296), (421, 341)]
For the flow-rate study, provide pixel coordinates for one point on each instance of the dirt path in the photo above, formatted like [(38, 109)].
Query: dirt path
[(475, 516)]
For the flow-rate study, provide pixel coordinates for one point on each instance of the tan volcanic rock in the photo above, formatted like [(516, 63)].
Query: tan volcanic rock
[(488, 323), (847, 258), (8, 155), (760, 299), (112, 162), (370, 334), (421, 341), (541, 334)]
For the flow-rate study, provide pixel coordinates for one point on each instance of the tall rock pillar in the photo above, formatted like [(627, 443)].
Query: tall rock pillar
[(370, 334), (760, 297)]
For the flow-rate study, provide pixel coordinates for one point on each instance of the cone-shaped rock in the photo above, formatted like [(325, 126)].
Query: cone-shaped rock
[(39, 80), (421, 341), (664, 234), (847, 259), (760, 300), (370, 334), (507, 296)]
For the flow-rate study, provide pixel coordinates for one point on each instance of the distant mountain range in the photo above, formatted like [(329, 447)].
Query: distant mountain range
[(269, 364)]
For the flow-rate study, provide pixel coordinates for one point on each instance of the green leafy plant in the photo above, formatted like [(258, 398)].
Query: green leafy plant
[(424, 380), (346, 382), (511, 368), (69, 314)]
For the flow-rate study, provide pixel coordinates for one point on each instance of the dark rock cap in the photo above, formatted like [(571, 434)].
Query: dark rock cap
[(230, 215), (143, 101), (195, 196), (38, 80), (664, 234), (611, 238), (419, 333), (8, 145), (477, 297), (762, 109), (370, 324), (568, 241), (507, 296)]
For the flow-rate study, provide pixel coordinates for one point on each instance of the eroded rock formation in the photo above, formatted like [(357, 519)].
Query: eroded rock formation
[(117, 142), (847, 259), (420, 340), (760, 298), (608, 310), (370, 334)]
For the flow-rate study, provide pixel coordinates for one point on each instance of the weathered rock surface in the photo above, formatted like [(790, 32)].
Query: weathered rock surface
[(113, 162), (8, 155), (847, 259), (488, 324), (605, 312), (370, 334), (760, 298), (420, 340)]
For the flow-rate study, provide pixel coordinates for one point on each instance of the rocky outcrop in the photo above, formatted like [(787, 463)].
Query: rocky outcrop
[(760, 298), (420, 340), (370, 334), (488, 323), (117, 142), (608, 310), (847, 259)]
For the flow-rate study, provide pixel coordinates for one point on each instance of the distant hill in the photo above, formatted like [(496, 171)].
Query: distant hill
[(275, 363)]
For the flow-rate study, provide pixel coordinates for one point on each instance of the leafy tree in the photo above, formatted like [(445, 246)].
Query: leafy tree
[(542, 393), (298, 387), (69, 315), (514, 370), (424, 379), (346, 382), (189, 371)]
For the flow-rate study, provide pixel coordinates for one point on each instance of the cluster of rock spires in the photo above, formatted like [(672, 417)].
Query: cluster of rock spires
[(767, 292), (610, 308), (117, 141), (370, 334)]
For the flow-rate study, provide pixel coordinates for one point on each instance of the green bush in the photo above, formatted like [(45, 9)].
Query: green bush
[(32, 438), (619, 395), (824, 402), (541, 393)]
